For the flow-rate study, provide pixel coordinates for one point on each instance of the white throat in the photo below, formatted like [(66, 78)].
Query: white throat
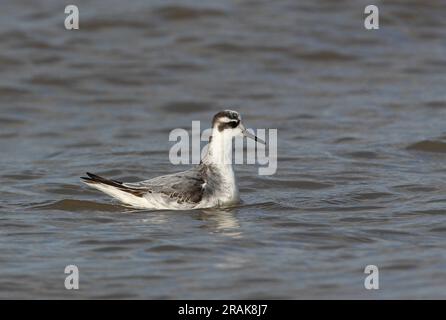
[(218, 159), (219, 151)]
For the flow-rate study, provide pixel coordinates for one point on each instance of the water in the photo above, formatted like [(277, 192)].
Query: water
[(361, 143)]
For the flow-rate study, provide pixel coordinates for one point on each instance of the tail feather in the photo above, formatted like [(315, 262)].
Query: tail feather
[(95, 179)]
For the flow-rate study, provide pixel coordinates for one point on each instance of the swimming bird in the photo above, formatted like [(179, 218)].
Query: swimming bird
[(211, 183)]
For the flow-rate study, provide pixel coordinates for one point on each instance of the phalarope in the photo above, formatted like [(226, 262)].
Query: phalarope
[(212, 183)]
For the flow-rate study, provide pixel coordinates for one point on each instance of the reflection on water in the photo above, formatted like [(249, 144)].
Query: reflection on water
[(223, 221), (361, 142)]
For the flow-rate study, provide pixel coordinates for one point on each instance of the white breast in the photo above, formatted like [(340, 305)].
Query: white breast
[(221, 188)]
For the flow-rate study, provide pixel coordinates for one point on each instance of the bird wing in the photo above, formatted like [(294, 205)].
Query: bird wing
[(186, 186)]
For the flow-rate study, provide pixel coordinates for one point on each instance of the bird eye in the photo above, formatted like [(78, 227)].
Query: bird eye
[(234, 124)]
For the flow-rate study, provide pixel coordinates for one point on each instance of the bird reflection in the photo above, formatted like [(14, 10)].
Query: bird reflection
[(222, 221)]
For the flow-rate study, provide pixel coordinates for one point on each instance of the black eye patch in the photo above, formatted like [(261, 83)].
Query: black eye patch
[(233, 124), (228, 125)]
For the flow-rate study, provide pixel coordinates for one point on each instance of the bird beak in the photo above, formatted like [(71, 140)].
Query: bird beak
[(250, 135)]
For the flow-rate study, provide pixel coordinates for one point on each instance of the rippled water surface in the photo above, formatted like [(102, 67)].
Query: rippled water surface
[(361, 143)]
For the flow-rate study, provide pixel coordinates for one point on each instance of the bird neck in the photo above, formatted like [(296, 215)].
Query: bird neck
[(219, 151), (218, 163)]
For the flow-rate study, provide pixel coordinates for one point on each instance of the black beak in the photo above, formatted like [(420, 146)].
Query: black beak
[(250, 135)]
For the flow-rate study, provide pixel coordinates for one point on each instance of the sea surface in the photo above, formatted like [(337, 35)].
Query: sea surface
[(361, 120)]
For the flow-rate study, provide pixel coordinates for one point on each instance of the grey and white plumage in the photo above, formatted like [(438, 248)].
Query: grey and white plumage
[(212, 183)]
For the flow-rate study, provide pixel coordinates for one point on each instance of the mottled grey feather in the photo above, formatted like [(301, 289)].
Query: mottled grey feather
[(186, 186)]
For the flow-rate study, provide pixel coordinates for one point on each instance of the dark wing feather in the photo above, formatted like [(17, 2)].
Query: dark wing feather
[(93, 178)]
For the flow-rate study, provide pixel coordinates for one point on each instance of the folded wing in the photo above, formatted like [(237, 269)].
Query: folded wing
[(187, 186)]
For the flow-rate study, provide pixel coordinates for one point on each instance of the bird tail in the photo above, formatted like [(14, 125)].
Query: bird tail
[(111, 186)]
